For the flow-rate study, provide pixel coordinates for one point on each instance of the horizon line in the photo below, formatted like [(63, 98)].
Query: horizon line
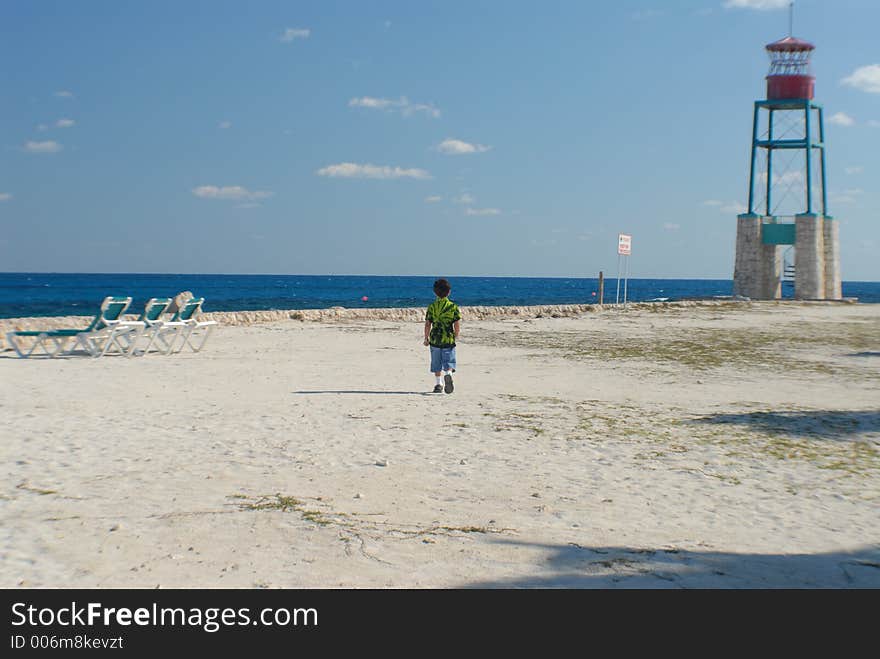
[(284, 274)]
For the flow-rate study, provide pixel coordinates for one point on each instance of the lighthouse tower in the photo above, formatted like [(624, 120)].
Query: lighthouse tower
[(788, 205)]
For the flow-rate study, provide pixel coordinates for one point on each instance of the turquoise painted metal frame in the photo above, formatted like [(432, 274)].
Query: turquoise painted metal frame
[(807, 145)]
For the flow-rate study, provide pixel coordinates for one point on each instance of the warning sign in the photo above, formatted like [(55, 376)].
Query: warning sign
[(624, 244)]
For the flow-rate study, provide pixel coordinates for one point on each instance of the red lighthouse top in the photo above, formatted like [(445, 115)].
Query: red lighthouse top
[(789, 76), (790, 45)]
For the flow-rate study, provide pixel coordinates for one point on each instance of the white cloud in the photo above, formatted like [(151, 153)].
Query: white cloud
[(452, 147), (733, 208), (482, 211), (224, 124), (761, 5), (464, 198), (411, 108), (726, 207), (841, 119), (292, 33), (65, 123), (49, 146), (846, 196), (786, 178), (865, 78), (354, 170), (853, 170), (873, 123), (402, 105), (669, 226), (229, 192), (5, 196), (64, 94), (433, 199), (370, 102)]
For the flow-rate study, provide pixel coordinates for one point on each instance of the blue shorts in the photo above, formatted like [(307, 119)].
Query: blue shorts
[(442, 359)]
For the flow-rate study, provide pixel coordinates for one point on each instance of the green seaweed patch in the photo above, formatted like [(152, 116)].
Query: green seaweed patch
[(518, 421), (35, 490), (283, 503), (467, 529), (702, 348), (854, 458)]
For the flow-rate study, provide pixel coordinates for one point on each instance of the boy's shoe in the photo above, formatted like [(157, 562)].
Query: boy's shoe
[(438, 389), (449, 388)]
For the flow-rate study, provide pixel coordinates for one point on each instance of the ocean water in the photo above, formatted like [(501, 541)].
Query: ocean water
[(58, 294)]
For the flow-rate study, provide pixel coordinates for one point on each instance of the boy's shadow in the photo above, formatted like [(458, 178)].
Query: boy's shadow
[(380, 393)]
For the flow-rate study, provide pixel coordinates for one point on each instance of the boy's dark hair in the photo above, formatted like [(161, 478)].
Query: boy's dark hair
[(442, 288)]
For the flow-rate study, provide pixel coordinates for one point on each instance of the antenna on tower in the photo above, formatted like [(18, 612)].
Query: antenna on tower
[(791, 18)]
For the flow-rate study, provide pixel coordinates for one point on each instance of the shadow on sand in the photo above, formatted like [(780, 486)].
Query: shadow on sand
[(822, 424), (42, 357), (371, 393), (576, 566)]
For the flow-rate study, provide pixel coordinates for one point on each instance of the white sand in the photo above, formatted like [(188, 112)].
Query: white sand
[(575, 452)]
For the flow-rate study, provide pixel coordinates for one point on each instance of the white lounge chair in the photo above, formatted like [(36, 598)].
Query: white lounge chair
[(90, 339), (127, 334), (183, 329), (196, 332)]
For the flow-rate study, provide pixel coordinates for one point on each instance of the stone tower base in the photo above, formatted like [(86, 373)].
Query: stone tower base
[(758, 266)]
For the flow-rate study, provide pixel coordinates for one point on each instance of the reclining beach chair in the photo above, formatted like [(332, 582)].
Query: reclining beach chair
[(127, 333), (172, 335), (90, 338), (196, 332)]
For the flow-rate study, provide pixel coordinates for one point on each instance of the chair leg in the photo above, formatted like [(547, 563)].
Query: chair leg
[(182, 334), (188, 335), (160, 338), (89, 344), (132, 344), (10, 339), (153, 335), (42, 342), (204, 339), (60, 345), (116, 338)]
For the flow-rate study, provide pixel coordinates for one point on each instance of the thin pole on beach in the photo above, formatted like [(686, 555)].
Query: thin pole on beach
[(625, 280), (601, 287), (617, 299)]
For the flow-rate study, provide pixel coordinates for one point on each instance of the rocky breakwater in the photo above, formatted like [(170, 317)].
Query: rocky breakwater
[(343, 314)]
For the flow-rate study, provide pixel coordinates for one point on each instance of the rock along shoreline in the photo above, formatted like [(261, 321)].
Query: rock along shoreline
[(398, 314)]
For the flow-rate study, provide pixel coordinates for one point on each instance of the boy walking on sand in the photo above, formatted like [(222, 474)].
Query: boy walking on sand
[(442, 325)]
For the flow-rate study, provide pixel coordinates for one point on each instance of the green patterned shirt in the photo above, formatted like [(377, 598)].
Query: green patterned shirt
[(442, 313)]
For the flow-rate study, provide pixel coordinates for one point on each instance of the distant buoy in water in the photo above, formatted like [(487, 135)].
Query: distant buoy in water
[(594, 293), (364, 298)]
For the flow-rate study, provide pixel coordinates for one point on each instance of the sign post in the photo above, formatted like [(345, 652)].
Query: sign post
[(624, 248)]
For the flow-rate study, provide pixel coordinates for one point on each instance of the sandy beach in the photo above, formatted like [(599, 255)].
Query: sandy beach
[(661, 446)]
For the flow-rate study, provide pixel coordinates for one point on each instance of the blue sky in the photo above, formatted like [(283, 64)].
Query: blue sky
[(462, 138)]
